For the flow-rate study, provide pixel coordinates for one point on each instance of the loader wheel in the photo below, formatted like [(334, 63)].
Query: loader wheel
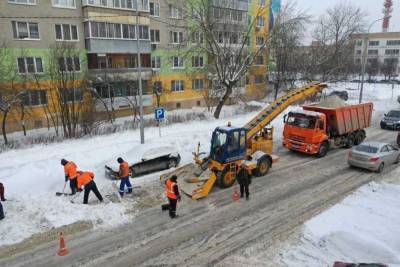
[(225, 178), (263, 166)]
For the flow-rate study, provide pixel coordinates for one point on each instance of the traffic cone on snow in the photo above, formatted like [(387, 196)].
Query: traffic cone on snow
[(235, 195), (63, 251)]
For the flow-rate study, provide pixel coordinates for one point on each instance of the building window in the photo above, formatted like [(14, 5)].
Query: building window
[(155, 36), (175, 12), (34, 98), (143, 32), (25, 30), (28, 65), (177, 62), (156, 62), (258, 79), (260, 41), (393, 42), (197, 38), (26, 2), (392, 52), (154, 9), (71, 95), (114, 31), (259, 60), (373, 52), (177, 85), (359, 42), (262, 3), (197, 84), (64, 3), (260, 21), (197, 62), (176, 37), (358, 52), (66, 32), (373, 43), (69, 64)]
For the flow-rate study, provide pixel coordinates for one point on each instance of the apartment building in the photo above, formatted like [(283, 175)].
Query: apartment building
[(99, 42), (383, 51)]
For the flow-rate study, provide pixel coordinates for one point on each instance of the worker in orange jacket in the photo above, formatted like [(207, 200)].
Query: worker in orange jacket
[(123, 174), (70, 170), (173, 195), (85, 182)]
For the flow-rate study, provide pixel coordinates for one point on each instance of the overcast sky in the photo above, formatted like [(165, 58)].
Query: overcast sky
[(372, 7)]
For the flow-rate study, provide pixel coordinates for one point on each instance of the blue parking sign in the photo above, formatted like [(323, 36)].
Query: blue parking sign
[(159, 113)]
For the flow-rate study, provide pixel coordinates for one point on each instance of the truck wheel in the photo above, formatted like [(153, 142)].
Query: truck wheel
[(359, 138), (380, 168), (323, 150), (350, 141), (263, 166), (225, 178)]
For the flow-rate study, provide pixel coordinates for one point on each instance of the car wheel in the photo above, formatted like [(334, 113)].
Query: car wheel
[(382, 127), (323, 150), (380, 168), (172, 163)]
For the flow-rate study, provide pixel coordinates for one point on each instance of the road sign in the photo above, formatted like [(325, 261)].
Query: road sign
[(159, 113)]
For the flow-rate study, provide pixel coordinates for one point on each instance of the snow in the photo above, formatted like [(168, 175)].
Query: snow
[(362, 228), (32, 176)]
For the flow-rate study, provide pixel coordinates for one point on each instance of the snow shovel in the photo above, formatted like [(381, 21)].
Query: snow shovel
[(62, 193), (76, 195)]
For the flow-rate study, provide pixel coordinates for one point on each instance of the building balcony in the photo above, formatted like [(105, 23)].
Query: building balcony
[(118, 74), (102, 46)]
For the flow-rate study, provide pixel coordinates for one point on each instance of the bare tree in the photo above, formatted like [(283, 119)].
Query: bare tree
[(67, 86), (372, 67), (285, 47), (227, 41), (334, 48), (389, 67)]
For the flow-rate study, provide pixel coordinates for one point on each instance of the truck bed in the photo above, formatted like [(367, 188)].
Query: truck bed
[(345, 119)]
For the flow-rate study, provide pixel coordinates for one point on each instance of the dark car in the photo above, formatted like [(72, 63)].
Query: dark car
[(154, 160), (391, 120), (344, 264), (341, 94)]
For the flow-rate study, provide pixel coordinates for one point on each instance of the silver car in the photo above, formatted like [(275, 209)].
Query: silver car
[(373, 156)]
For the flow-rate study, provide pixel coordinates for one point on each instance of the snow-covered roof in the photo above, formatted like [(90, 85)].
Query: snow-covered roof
[(228, 128)]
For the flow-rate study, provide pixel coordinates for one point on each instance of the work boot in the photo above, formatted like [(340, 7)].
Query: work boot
[(121, 194), (247, 197)]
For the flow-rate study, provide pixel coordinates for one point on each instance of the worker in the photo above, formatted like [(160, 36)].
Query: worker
[(398, 139), (70, 170), (123, 174), (172, 193), (244, 180), (85, 182)]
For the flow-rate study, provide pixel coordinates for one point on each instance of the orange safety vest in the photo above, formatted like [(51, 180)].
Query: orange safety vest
[(169, 189), (124, 169), (84, 178), (70, 169)]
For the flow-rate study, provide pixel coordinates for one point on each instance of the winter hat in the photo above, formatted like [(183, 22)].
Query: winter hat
[(174, 178), (120, 160), (64, 162)]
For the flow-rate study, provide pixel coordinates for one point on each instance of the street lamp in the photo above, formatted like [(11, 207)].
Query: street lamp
[(364, 57), (139, 59)]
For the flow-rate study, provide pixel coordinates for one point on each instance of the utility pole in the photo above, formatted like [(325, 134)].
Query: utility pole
[(141, 123)]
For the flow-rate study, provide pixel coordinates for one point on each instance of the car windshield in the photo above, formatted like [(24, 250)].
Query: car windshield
[(302, 121), (366, 148), (394, 113)]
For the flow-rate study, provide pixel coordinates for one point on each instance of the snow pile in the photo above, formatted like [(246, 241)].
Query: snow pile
[(362, 228), (332, 101)]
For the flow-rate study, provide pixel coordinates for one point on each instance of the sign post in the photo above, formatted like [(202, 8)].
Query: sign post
[(159, 114)]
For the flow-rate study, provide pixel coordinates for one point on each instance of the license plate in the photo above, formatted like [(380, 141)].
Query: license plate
[(389, 123)]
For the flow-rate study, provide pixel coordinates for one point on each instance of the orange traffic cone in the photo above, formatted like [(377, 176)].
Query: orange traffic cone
[(63, 249), (235, 195)]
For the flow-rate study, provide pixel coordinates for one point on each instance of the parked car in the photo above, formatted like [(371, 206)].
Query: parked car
[(373, 156), (391, 120), (398, 99), (341, 94), (344, 264), (158, 159)]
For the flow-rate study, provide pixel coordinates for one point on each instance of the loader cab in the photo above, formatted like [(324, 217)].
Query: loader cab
[(228, 144)]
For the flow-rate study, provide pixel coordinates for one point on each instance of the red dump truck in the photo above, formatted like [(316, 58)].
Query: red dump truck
[(316, 129)]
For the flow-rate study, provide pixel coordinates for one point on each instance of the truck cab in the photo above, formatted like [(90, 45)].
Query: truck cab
[(228, 144), (304, 131)]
